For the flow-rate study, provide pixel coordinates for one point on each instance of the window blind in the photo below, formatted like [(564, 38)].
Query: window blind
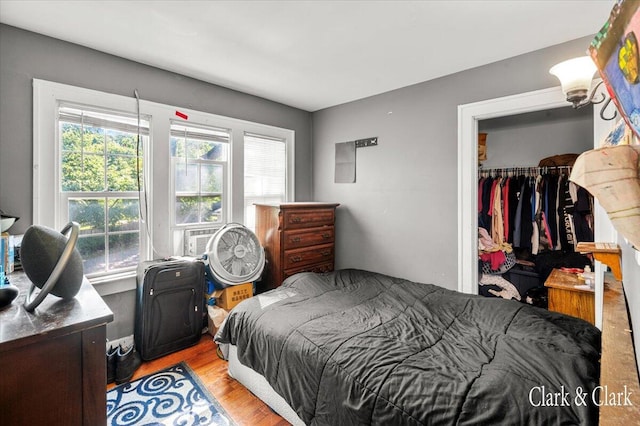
[(211, 134), (116, 121), (265, 171)]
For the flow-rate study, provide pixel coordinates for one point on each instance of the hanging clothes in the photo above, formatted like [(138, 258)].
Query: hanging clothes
[(533, 209), (497, 222), (565, 210), (505, 208), (484, 219), (517, 233)]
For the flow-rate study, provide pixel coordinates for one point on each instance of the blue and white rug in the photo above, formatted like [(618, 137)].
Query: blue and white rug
[(174, 396)]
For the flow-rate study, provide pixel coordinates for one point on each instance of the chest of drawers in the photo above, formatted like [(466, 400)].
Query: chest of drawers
[(297, 237)]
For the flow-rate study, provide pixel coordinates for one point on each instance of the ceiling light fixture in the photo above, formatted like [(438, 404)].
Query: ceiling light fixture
[(575, 77)]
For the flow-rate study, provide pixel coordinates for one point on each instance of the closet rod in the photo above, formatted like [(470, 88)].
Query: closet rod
[(526, 170)]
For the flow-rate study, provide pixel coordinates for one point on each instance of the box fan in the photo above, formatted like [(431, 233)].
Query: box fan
[(234, 256)]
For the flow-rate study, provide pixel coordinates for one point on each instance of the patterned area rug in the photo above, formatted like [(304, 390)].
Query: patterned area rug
[(174, 396)]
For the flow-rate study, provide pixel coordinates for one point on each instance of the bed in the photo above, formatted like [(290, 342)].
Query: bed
[(358, 347)]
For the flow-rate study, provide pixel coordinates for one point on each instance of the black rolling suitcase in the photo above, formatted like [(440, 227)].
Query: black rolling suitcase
[(169, 306)]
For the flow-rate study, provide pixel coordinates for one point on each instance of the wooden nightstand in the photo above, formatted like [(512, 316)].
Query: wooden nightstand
[(566, 298)]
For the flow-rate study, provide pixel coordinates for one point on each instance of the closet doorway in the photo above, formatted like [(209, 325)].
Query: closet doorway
[(469, 116)]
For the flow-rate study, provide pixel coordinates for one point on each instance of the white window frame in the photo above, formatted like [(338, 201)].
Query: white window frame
[(157, 164)]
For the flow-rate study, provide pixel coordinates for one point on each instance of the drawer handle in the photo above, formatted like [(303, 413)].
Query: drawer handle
[(295, 239), (325, 235), (325, 252), (296, 259), (296, 219)]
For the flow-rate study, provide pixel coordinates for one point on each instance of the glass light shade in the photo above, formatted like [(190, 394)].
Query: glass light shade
[(575, 74)]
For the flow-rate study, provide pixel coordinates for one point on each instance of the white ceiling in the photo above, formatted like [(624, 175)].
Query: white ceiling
[(312, 54)]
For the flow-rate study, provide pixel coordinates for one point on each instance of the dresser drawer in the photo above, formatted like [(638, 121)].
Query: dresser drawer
[(307, 218), (323, 267), (308, 237), (308, 256)]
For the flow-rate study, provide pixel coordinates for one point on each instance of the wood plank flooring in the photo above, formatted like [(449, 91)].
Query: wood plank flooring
[(243, 407)]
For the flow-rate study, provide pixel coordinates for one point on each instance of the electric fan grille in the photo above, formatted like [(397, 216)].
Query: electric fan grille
[(235, 255)]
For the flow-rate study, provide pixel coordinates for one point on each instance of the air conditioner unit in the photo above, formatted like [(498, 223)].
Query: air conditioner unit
[(195, 241)]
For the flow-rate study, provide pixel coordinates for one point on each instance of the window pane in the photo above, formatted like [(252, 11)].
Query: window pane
[(92, 250), (187, 209), (211, 178), (89, 213), (119, 142), (72, 175), (211, 209), (123, 214), (124, 250), (195, 149), (93, 139), (176, 145), (186, 177), (198, 149), (82, 172), (122, 174), (70, 136), (213, 151)]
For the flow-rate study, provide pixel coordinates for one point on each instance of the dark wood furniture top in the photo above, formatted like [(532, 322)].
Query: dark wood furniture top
[(53, 360), (297, 237)]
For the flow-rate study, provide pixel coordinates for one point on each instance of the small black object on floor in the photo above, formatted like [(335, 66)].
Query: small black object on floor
[(122, 363)]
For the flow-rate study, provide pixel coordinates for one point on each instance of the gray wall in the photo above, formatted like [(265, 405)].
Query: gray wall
[(25, 55), (400, 217), (525, 139)]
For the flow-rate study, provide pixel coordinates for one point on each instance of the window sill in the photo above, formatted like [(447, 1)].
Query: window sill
[(116, 283)]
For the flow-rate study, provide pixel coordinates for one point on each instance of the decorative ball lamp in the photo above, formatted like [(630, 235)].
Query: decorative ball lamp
[(52, 262)]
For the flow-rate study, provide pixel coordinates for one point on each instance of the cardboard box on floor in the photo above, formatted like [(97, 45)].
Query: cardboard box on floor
[(228, 298)]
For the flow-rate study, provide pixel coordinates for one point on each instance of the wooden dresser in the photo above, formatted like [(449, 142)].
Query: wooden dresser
[(297, 237), (53, 360), (568, 296)]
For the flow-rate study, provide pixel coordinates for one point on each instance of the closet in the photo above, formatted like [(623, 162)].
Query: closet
[(530, 216)]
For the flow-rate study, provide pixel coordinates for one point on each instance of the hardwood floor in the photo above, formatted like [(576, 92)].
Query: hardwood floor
[(243, 407)]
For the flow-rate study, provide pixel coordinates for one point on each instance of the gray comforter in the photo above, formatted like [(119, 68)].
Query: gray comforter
[(356, 347)]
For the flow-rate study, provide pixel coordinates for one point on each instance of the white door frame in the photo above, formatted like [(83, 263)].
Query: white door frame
[(468, 116)]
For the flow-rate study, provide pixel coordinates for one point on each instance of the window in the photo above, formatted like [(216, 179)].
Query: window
[(89, 166), (100, 170), (265, 173), (199, 169)]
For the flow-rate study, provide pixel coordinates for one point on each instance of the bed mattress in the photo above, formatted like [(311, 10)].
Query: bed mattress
[(356, 347), (259, 386)]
